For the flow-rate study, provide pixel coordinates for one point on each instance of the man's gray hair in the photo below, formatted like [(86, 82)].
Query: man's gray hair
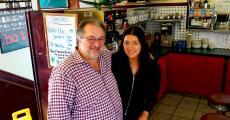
[(83, 23)]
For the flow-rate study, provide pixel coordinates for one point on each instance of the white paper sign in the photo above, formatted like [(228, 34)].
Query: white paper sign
[(61, 36)]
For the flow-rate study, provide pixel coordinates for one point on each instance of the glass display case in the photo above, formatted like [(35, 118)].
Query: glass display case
[(201, 14)]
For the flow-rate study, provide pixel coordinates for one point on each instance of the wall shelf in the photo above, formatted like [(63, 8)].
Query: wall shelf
[(15, 8), (168, 20), (14, 1), (208, 30)]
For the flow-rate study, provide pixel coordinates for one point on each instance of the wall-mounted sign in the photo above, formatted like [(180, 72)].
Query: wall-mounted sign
[(13, 30), (51, 4), (15, 4), (60, 31)]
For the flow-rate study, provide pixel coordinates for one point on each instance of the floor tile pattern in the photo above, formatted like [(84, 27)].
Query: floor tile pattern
[(174, 106)]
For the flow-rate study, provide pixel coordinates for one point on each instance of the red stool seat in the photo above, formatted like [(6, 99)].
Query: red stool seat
[(220, 99), (220, 102), (214, 116)]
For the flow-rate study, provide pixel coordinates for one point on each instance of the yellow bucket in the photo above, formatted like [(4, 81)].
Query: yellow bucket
[(25, 111)]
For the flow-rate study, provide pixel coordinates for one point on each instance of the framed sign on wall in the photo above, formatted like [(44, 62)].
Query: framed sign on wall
[(60, 29)]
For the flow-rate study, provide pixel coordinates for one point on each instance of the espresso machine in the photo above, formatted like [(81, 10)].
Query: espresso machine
[(222, 22), (112, 41)]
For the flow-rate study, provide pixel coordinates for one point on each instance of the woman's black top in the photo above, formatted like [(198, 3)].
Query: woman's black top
[(137, 92)]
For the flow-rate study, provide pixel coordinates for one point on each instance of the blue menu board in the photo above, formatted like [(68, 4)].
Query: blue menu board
[(60, 31)]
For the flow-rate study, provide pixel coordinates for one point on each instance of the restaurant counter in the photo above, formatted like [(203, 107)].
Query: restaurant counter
[(194, 71), (206, 52)]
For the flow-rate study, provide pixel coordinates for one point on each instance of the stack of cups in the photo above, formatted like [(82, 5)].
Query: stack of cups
[(204, 43), (211, 45), (196, 43), (189, 40)]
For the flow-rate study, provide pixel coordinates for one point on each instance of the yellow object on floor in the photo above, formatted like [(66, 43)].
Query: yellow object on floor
[(25, 111)]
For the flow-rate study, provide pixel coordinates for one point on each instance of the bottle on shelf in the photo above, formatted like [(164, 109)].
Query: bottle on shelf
[(110, 22), (112, 41), (189, 40), (201, 4), (115, 45), (193, 3), (205, 4)]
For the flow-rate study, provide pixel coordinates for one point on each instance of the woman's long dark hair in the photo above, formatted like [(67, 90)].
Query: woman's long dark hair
[(139, 33)]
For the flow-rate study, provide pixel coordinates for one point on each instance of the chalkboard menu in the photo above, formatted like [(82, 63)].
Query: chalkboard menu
[(60, 31), (13, 29)]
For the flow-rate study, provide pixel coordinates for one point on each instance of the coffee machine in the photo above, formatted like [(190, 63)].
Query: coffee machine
[(222, 22), (112, 41)]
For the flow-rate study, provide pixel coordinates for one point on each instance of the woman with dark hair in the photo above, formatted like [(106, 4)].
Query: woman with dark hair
[(137, 75)]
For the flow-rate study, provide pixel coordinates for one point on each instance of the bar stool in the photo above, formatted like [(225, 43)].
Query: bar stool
[(219, 101), (214, 116)]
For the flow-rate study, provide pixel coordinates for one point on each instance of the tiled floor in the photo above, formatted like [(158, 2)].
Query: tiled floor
[(174, 106)]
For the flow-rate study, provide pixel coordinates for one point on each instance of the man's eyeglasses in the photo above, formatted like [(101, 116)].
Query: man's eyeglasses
[(92, 39)]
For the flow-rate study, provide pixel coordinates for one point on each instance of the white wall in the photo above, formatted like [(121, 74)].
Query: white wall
[(17, 62), (34, 4), (83, 5)]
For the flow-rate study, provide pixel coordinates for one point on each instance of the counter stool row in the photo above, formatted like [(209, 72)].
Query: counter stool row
[(221, 102)]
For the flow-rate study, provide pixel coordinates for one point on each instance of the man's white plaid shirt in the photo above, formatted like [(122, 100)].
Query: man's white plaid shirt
[(77, 92)]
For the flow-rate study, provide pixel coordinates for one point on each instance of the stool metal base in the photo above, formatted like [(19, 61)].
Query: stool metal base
[(221, 109)]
